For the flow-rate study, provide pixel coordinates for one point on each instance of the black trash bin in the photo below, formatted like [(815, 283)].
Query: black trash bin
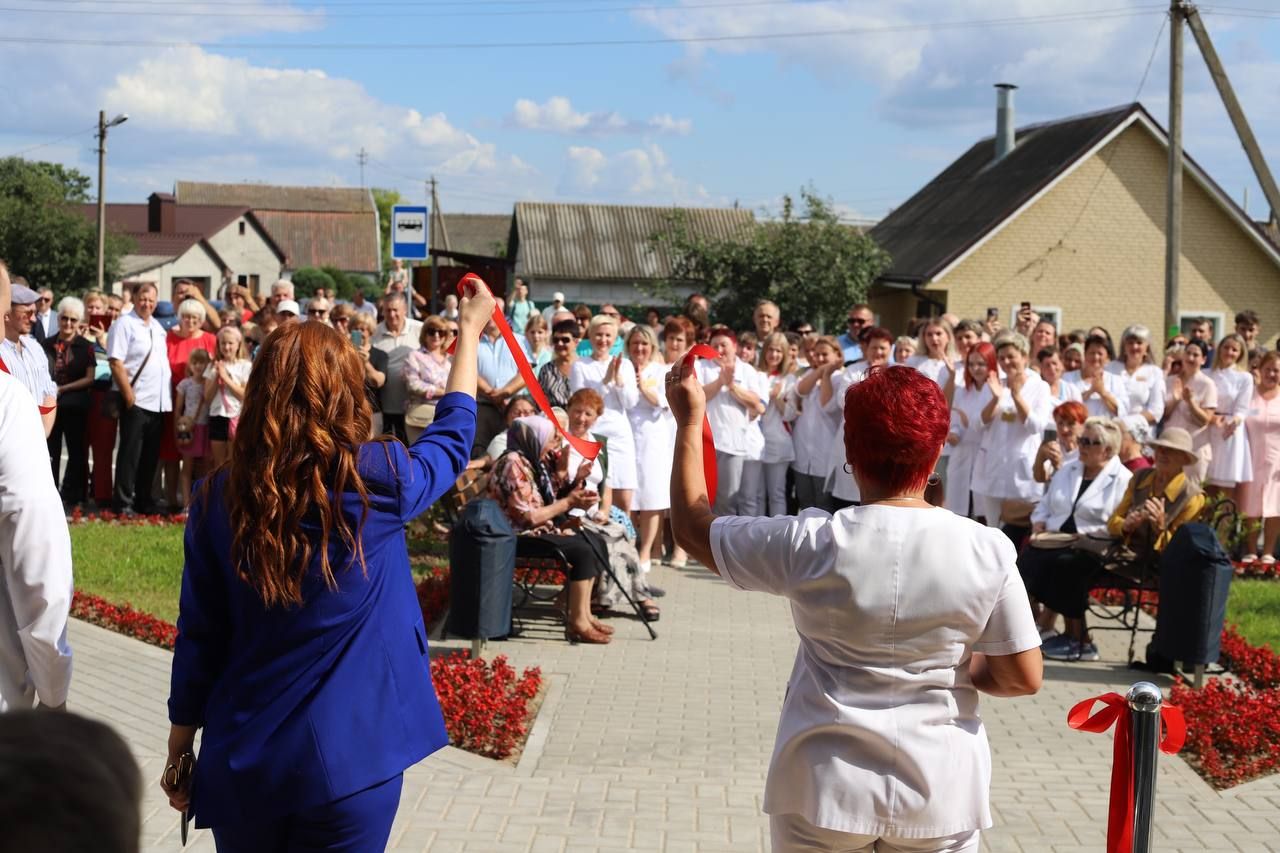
[(482, 564), (1195, 578)]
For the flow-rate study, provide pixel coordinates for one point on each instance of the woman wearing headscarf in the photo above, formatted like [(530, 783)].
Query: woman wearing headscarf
[(521, 483), (906, 612)]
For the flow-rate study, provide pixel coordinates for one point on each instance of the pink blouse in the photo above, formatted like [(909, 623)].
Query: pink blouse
[(425, 375)]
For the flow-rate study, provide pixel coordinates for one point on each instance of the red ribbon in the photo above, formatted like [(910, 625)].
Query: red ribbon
[(470, 285), (1173, 735), (44, 410), (708, 441)]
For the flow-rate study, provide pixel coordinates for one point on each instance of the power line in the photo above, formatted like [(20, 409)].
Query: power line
[(560, 44), (188, 12), (50, 142)]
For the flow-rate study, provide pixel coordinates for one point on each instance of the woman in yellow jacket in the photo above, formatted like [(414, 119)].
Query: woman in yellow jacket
[(1158, 501)]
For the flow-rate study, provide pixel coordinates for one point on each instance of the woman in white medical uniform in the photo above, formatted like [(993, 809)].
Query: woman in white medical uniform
[(905, 612)]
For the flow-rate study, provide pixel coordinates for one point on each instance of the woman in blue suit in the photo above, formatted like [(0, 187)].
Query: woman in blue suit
[(301, 649)]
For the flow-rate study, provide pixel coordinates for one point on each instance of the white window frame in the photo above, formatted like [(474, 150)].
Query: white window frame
[(1056, 310), (1218, 318)]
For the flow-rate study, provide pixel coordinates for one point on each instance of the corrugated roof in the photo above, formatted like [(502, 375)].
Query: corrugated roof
[(593, 242), (476, 233), (348, 241), (267, 197), (972, 196)]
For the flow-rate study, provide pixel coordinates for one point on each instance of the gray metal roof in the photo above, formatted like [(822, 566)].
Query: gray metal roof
[(597, 241), (475, 233)]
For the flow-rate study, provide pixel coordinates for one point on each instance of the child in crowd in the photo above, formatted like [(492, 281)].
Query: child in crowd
[(192, 422), (903, 349)]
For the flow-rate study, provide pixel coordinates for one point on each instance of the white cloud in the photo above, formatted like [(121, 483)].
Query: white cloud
[(635, 175), (557, 115)]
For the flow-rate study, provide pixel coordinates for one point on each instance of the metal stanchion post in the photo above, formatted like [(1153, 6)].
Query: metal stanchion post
[(1144, 704)]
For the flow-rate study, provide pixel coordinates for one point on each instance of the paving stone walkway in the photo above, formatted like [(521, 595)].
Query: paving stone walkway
[(663, 745)]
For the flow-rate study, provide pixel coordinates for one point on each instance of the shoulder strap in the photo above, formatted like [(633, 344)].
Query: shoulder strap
[(143, 366)]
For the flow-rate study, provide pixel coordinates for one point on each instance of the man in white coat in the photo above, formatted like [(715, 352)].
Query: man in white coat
[(35, 556)]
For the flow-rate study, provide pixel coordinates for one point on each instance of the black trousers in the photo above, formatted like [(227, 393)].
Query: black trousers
[(72, 426), (489, 422), (586, 554), (1060, 578), (140, 432), (393, 424)]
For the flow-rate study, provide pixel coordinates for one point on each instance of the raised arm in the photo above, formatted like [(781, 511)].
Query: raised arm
[(691, 514)]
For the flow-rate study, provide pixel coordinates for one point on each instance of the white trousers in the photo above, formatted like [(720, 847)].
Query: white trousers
[(791, 833), (775, 487), (751, 499), (728, 483)]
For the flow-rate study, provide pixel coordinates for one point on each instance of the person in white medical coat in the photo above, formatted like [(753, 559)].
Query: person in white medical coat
[(905, 613), (35, 559)]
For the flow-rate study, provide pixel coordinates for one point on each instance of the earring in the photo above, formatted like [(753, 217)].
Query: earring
[(934, 479), (847, 468)]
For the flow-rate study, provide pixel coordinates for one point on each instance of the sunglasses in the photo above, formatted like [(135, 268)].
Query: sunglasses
[(68, 319), (316, 312), (453, 330), (343, 319), (562, 339), (808, 331), (1089, 442), (857, 321), (436, 333)]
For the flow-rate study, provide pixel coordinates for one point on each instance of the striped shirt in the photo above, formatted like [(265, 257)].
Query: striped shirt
[(30, 366)]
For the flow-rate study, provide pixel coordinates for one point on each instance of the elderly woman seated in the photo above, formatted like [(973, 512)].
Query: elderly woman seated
[(522, 486), (1071, 519), (1156, 503)]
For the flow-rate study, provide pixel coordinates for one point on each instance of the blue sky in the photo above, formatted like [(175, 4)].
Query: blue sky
[(866, 115)]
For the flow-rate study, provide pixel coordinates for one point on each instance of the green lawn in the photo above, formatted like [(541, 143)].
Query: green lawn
[(138, 565), (142, 566), (1255, 607)]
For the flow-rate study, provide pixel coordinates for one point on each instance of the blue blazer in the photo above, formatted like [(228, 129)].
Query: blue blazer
[(304, 706)]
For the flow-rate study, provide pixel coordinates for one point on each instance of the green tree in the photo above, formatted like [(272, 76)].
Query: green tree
[(385, 200), (43, 235), (338, 283), (808, 262)]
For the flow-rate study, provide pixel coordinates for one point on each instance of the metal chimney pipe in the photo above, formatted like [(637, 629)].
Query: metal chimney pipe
[(1004, 120)]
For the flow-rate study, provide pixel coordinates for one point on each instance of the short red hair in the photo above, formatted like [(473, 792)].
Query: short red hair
[(722, 332), (1073, 410), (895, 423)]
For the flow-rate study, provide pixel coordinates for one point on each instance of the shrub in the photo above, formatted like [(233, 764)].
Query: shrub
[(1233, 729), (123, 619)]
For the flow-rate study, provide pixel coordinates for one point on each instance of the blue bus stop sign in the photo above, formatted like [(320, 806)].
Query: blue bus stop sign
[(409, 232)]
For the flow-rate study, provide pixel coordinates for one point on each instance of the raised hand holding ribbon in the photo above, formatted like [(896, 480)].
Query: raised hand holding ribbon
[(472, 284), (682, 370)]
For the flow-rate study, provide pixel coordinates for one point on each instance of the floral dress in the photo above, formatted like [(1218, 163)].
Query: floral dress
[(514, 486)]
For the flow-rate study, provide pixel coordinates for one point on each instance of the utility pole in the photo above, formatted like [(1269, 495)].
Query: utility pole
[(1247, 140), (103, 125), (1173, 221), (362, 157)]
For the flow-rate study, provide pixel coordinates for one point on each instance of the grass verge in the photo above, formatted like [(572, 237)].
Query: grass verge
[(137, 565), (1254, 606)]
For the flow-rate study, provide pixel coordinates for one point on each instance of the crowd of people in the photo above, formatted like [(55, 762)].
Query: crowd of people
[(162, 385)]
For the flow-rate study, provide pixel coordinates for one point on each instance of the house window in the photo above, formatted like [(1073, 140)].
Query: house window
[(1188, 320), (241, 227)]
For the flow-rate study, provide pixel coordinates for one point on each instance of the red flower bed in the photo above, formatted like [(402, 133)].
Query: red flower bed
[(1233, 727), (1257, 569), (433, 594), (78, 516), (123, 619), (486, 706)]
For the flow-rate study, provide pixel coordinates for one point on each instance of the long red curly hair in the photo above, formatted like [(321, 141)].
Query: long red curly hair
[(295, 451)]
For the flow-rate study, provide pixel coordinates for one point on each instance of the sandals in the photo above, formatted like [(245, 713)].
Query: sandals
[(592, 636), (651, 611)]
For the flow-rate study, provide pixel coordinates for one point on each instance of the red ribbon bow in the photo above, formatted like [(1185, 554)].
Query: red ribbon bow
[(469, 285), (708, 442), (1173, 735)]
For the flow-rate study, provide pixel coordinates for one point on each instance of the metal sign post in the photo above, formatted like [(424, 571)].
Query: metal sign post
[(409, 232)]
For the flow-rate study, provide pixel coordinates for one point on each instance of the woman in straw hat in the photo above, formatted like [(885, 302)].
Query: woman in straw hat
[(1157, 502)]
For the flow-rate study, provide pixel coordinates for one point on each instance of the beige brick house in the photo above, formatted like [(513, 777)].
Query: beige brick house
[(1072, 219)]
